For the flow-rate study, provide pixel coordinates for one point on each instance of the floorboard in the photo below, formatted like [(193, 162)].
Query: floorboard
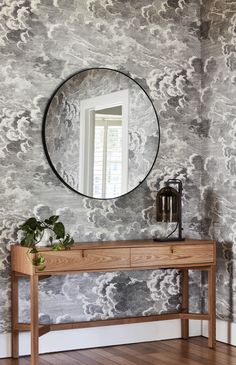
[(168, 352)]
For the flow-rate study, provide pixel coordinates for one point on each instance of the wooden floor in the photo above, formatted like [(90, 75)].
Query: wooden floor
[(170, 352)]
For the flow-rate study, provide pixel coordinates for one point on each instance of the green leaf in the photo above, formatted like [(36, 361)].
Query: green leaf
[(57, 247), (59, 230), (38, 234), (26, 229), (33, 250), (39, 260), (51, 220), (23, 242), (41, 268), (67, 242), (31, 224), (28, 240)]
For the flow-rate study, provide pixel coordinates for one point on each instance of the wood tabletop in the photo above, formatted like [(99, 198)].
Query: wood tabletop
[(128, 243)]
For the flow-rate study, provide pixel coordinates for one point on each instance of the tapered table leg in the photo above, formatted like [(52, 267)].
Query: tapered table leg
[(185, 303), (34, 325), (15, 310), (212, 307)]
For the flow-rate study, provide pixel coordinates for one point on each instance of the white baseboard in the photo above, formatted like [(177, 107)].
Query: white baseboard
[(5, 345), (100, 336), (225, 331)]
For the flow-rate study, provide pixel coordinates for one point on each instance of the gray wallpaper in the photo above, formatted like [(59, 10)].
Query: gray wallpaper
[(63, 122), (158, 43), (219, 144)]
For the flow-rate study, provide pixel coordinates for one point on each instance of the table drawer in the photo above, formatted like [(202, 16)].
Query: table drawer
[(94, 259), (171, 255)]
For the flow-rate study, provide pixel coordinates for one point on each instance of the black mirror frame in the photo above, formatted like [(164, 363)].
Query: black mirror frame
[(44, 136)]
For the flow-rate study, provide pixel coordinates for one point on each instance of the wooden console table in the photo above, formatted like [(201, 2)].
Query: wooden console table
[(114, 256)]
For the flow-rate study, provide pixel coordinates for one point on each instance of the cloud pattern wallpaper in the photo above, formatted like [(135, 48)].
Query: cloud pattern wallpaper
[(187, 67), (218, 187)]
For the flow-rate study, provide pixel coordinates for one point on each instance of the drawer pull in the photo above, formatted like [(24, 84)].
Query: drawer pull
[(83, 254), (172, 250)]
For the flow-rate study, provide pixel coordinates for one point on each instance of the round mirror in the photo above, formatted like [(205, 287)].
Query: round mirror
[(101, 133)]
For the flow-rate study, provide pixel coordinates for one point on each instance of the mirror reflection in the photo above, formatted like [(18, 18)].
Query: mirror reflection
[(101, 133)]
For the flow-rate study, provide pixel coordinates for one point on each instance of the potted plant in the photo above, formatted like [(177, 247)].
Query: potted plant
[(33, 232)]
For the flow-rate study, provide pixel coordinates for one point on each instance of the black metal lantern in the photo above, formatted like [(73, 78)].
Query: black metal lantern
[(169, 207)]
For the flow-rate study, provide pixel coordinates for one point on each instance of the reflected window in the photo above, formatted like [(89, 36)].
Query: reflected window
[(104, 146), (107, 168)]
